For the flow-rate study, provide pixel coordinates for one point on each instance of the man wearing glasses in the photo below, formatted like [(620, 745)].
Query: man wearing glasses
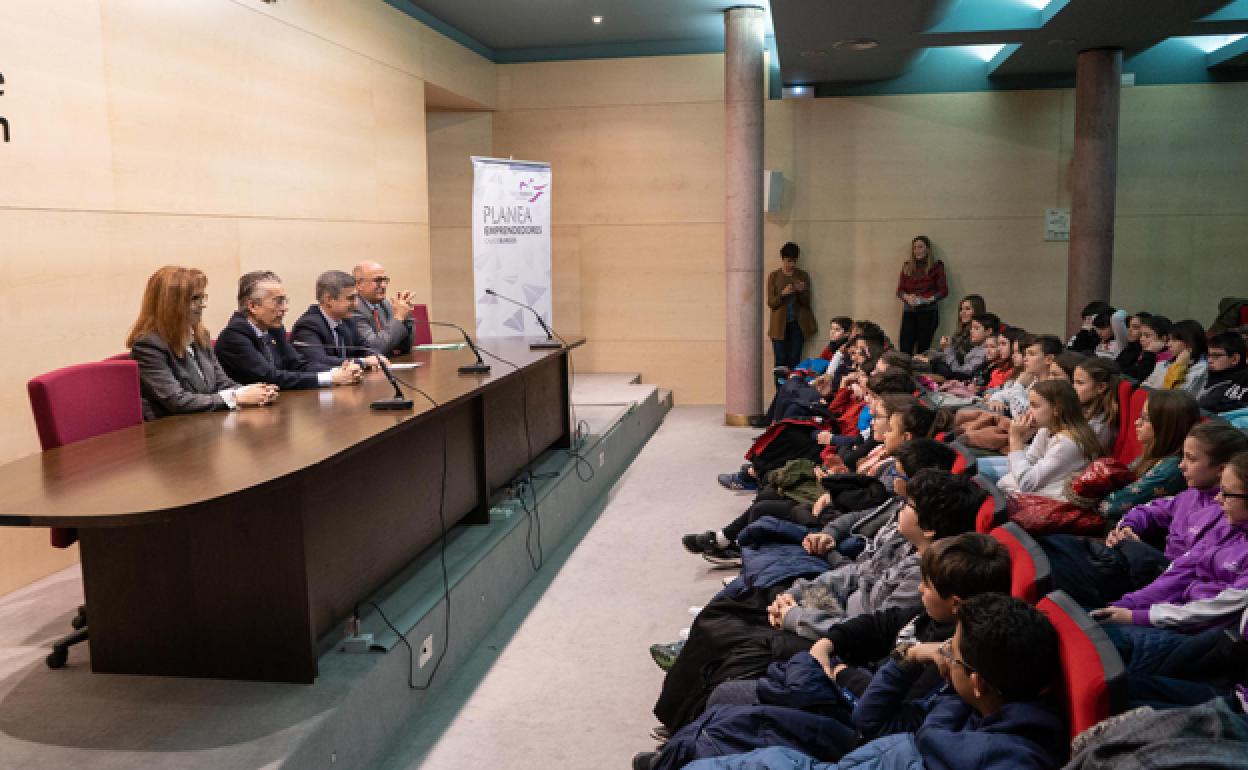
[(385, 325), (253, 346)]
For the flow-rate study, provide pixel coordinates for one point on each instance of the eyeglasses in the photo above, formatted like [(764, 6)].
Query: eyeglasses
[(280, 300), (1232, 495), (1217, 354), (946, 652), (381, 280), (199, 299)]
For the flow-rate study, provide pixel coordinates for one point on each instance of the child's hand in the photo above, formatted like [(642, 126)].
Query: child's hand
[(817, 543), (1120, 534), (1019, 426), (1119, 615), (778, 609), (927, 652), (996, 406), (820, 473), (945, 341), (824, 438), (820, 504)]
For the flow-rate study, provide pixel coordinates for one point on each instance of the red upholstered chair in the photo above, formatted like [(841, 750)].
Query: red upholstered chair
[(422, 332), (1031, 576), (1126, 424), (119, 357), (1127, 446), (992, 512), (1094, 680), (73, 404), (965, 465)]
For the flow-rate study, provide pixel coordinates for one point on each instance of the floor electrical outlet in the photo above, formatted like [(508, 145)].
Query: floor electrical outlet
[(426, 650), (358, 643)]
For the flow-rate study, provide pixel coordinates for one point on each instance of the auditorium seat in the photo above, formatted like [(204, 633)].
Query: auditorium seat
[(965, 465), (1095, 682), (422, 332), (76, 403), (1030, 574), (992, 511), (1127, 446), (1126, 424)]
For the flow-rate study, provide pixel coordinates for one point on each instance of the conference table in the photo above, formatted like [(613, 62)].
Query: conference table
[(236, 544)]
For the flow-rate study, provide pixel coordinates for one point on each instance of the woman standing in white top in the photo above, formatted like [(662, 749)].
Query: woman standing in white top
[(1063, 446)]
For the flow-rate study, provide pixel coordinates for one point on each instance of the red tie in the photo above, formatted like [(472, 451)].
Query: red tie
[(376, 319)]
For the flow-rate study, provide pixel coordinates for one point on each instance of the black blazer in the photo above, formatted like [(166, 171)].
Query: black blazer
[(242, 355), (313, 329)]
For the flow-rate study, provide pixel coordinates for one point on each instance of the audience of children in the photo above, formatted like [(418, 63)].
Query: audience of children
[(788, 666)]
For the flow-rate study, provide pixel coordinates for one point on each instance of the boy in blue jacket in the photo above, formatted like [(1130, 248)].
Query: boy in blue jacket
[(1000, 663)]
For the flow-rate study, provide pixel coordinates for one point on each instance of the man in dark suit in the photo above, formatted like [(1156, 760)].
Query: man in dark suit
[(253, 346), (384, 325), (324, 334)]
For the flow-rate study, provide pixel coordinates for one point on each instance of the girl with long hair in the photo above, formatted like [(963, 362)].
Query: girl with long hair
[(1163, 425), (1096, 382), (1064, 443)]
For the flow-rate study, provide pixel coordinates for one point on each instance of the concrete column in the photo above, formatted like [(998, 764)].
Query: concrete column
[(743, 213), (1093, 182)]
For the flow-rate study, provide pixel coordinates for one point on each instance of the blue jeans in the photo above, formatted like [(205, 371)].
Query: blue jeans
[(788, 351)]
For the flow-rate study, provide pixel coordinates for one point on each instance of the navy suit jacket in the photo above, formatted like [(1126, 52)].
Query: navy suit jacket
[(313, 329), (242, 355)]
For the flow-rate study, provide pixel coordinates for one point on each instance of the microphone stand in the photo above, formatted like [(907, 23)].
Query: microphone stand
[(397, 402), (550, 343), (480, 367)]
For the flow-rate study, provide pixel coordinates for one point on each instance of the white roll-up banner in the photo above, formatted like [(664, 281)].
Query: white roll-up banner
[(511, 245)]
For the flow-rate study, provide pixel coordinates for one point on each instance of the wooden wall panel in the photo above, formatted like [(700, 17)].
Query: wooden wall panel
[(226, 134)]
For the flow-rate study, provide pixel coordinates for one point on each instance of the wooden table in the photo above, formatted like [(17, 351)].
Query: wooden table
[(227, 544)]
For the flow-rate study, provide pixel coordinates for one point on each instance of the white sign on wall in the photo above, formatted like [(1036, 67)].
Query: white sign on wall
[(511, 245), (1057, 224)]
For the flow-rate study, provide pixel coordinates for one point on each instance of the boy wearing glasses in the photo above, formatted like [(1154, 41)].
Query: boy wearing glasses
[(1226, 388), (994, 714), (805, 703)]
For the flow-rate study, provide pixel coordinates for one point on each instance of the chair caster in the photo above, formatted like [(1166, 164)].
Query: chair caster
[(57, 658), (80, 620)]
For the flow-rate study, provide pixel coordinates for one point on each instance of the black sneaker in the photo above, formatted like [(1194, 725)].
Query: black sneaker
[(644, 760), (661, 734), (724, 558), (702, 542)]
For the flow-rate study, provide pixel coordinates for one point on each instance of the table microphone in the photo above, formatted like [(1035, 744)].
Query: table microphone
[(550, 343), (397, 402), (480, 367)]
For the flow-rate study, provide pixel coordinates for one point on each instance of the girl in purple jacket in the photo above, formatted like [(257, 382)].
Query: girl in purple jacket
[(1167, 631)]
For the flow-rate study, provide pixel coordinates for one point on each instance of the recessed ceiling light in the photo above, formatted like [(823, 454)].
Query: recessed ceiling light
[(597, 19), (856, 44)]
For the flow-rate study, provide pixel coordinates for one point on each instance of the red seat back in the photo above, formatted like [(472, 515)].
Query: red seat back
[(82, 401), (965, 464), (993, 511), (422, 332), (1031, 576), (1126, 425), (1127, 446), (119, 356), (1094, 680)]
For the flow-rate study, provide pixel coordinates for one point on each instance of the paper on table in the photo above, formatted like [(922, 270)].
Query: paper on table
[(405, 365)]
